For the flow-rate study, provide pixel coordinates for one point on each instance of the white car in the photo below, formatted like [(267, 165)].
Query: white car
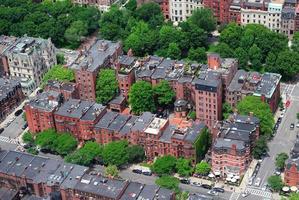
[(213, 192), (282, 115), (245, 194), (297, 125), (250, 181), (257, 182)]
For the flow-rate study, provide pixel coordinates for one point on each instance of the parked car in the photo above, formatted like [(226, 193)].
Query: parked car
[(297, 125), (185, 181), (1, 130), (137, 171), (147, 173), (264, 187), (292, 126), (213, 192), (25, 126), (277, 172), (206, 186), (257, 182), (18, 112), (276, 126), (250, 180), (217, 189), (245, 194), (27, 146), (282, 115), (196, 184), (279, 119)]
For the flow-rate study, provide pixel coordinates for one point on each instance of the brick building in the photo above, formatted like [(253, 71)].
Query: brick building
[(40, 111), (5, 43), (45, 177), (102, 5), (266, 86), (11, 96), (291, 173), (102, 53), (67, 89), (233, 141)]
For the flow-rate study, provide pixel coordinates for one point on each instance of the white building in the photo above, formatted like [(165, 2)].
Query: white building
[(29, 59), (180, 10)]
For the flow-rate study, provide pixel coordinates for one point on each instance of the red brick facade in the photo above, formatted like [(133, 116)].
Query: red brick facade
[(291, 174)]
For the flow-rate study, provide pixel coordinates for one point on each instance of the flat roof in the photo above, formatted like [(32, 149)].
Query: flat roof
[(74, 108), (155, 126), (107, 119)]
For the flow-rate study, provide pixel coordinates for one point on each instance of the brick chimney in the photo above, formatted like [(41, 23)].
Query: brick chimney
[(234, 149), (214, 61)]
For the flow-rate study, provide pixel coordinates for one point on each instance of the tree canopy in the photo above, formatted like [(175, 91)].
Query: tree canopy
[(85, 155), (115, 153), (280, 160), (259, 109), (136, 154), (60, 73), (164, 165), (164, 93), (183, 167), (65, 23), (202, 168), (111, 170), (260, 147), (106, 86), (168, 182), (28, 138), (141, 97), (275, 183)]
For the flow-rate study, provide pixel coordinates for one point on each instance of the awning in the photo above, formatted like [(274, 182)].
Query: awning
[(285, 189), (294, 188), (233, 180), (228, 179), (217, 173)]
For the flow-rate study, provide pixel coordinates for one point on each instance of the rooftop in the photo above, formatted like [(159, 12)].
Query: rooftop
[(156, 125), (118, 122), (47, 101), (6, 42), (267, 85), (223, 143), (106, 120), (97, 55), (7, 86), (66, 86), (207, 80), (129, 124), (143, 121), (75, 108), (26, 45), (118, 100)]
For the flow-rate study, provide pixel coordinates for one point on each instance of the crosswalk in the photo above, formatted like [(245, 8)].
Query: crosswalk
[(259, 192), (234, 196), (8, 140)]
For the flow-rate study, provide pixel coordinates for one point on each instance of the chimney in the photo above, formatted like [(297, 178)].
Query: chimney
[(234, 149), (103, 46), (214, 61), (130, 53)]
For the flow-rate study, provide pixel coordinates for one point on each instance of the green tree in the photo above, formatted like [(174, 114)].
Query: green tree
[(224, 50), (136, 154), (242, 57), (115, 153), (280, 160), (204, 19), (45, 139), (113, 24), (259, 109), (64, 144), (260, 147), (141, 97), (287, 64), (182, 195), (198, 54), (168, 182), (131, 5), (32, 150), (111, 171), (150, 13), (28, 138), (164, 165), (60, 73), (275, 183), (203, 168), (142, 39), (106, 86), (173, 51), (295, 42), (192, 115), (74, 34), (60, 59), (85, 155), (168, 34), (202, 144), (164, 93), (255, 56), (192, 36), (183, 167), (271, 61), (226, 110), (232, 35), (293, 196)]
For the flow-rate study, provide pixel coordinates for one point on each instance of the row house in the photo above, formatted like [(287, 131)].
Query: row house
[(266, 86), (11, 96), (49, 178), (29, 59), (5, 43), (102, 5), (291, 173), (87, 120), (67, 89), (181, 10), (102, 53), (233, 142)]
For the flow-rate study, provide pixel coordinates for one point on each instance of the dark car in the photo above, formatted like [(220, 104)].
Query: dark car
[(206, 186), (45, 150), (279, 119), (27, 146), (1, 130), (18, 112), (217, 189), (276, 126), (147, 173), (25, 126), (137, 171), (185, 181), (292, 126)]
